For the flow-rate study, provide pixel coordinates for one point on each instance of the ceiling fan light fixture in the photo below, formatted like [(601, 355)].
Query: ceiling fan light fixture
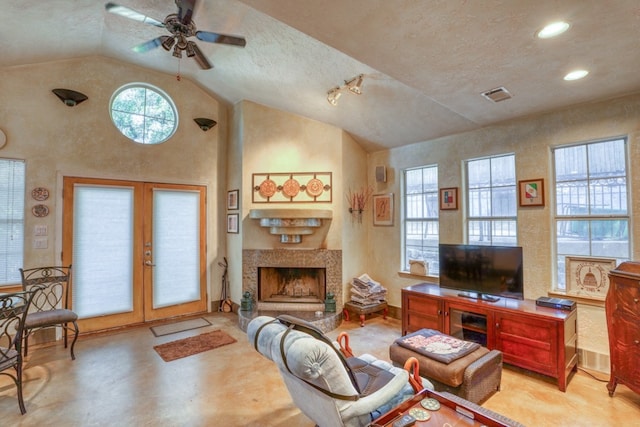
[(168, 42), (204, 123), (177, 52), (333, 95), (191, 50), (69, 97)]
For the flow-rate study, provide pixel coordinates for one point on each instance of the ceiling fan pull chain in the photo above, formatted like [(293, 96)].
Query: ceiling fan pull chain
[(178, 75)]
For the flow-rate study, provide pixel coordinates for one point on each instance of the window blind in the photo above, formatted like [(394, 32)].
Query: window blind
[(12, 191)]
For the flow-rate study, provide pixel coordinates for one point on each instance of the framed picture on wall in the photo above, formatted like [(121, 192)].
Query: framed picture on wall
[(232, 199), (449, 198), (232, 223), (588, 277), (383, 209), (531, 192)]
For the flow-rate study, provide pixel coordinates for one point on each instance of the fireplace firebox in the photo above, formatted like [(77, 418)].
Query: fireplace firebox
[(291, 284)]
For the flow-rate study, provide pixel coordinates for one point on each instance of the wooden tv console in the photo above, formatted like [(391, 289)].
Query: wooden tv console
[(539, 339)]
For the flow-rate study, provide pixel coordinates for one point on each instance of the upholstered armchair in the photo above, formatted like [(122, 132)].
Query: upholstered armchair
[(327, 385)]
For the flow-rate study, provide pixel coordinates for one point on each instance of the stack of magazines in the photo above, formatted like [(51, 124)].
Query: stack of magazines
[(365, 290)]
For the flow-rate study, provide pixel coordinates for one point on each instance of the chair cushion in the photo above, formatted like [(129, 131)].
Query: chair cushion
[(49, 317)]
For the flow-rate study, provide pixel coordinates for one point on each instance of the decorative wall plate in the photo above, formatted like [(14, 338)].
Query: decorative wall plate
[(291, 188), (40, 194), (40, 211), (314, 187), (267, 188)]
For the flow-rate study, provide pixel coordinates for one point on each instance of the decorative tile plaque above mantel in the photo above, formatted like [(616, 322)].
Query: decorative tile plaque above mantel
[(303, 187)]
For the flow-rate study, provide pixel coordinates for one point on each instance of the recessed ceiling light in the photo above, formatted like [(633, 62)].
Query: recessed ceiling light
[(576, 75), (553, 29)]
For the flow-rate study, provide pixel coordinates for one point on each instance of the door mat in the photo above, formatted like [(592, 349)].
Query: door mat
[(181, 326), (193, 345)]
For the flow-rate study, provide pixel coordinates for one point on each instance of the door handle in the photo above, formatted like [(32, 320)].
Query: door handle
[(148, 263)]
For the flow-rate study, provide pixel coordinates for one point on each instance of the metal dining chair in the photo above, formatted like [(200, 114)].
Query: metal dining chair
[(13, 310), (51, 303)]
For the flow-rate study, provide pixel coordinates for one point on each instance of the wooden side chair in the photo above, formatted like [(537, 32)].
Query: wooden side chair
[(13, 310), (50, 305)]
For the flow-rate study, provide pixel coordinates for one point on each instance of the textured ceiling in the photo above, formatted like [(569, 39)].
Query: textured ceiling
[(425, 62)]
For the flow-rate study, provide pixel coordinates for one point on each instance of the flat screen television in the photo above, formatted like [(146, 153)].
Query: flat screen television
[(483, 272)]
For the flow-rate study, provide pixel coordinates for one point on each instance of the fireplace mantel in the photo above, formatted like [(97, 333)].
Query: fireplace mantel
[(291, 224)]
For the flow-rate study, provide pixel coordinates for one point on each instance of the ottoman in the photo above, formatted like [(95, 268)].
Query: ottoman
[(474, 377)]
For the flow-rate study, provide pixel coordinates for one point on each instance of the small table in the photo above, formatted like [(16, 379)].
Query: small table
[(364, 309), (453, 410)]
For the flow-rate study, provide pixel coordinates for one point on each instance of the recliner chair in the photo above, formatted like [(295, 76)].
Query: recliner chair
[(330, 386)]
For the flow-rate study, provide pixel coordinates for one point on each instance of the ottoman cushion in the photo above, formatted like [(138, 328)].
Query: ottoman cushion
[(451, 374)]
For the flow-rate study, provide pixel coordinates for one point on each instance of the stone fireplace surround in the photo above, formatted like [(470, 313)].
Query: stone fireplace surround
[(330, 260)]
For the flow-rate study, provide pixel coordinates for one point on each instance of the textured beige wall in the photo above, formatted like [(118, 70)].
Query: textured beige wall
[(531, 140), (58, 141), (267, 140)]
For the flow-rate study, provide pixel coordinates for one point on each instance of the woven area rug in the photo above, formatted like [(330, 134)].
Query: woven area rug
[(184, 325), (193, 345)]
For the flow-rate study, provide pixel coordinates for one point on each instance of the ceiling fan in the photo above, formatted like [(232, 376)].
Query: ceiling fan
[(181, 27)]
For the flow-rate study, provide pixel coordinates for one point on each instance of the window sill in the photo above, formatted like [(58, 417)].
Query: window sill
[(408, 275), (594, 301), (6, 289)]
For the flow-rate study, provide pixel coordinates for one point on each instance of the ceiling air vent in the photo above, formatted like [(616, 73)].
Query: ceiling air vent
[(496, 95)]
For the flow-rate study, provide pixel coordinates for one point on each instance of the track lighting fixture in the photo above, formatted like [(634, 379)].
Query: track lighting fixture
[(353, 86), (333, 95), (204, 123), (71, 98)]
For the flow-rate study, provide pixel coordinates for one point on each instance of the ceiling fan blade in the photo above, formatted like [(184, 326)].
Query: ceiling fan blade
[(185, 10), (151, 44), (131, 14), (210, 37), (202, 60)]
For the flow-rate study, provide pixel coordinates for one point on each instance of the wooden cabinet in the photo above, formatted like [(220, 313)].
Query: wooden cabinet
[(623, 323), (539, 339)]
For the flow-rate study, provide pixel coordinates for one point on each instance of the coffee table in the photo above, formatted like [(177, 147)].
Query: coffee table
[(454, 411)]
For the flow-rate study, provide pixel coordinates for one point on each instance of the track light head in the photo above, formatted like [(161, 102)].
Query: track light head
[(333, 95), (355, 85)]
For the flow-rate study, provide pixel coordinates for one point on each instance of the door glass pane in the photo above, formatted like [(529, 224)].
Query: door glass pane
[(176, 247), (102, 250)]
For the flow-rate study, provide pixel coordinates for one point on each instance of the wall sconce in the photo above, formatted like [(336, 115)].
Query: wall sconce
[(71, 98), (205, 124), (353, 86)]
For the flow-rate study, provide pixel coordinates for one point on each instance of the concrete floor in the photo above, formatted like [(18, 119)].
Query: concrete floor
[(118, 379)]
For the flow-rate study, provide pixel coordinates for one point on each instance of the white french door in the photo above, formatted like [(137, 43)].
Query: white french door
[(137, 250)]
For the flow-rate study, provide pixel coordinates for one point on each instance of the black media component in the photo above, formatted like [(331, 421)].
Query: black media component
[(482, 272), (559, 303)]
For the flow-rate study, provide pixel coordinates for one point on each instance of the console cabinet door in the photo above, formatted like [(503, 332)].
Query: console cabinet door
[(531, 343), (421, 311)]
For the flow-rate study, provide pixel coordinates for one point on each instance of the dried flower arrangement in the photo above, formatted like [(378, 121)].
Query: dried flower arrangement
[(358, 200)]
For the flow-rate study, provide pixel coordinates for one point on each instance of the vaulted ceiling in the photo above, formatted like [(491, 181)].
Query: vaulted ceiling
[(425, 62)]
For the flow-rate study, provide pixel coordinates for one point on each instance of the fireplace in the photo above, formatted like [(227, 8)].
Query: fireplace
[(291, 284), (289, 279)]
